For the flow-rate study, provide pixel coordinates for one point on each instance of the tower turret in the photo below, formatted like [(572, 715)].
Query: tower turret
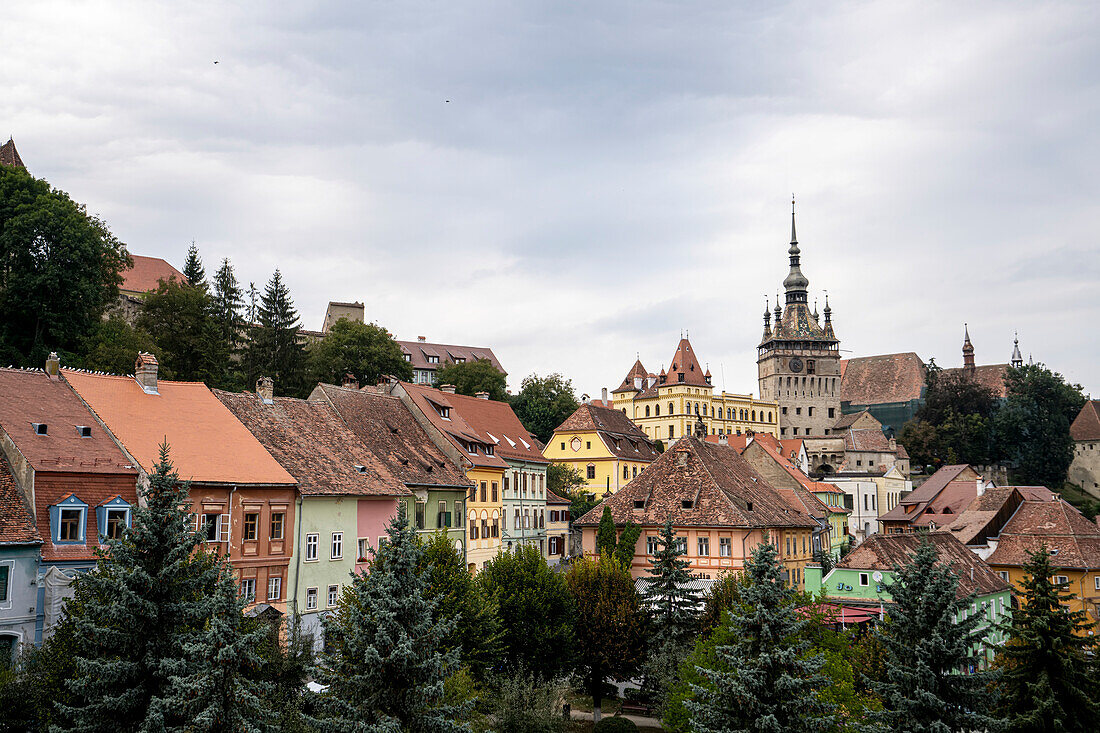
[(1017, 357), (795, 283), (968, 350)]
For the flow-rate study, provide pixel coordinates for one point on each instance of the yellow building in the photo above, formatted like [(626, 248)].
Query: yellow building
[(664, 405), (603, 445)]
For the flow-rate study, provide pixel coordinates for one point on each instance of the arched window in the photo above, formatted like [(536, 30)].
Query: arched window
[(658, 409), (754, 415), (626, 472), (769, 415), (647, 410), (671, 409)]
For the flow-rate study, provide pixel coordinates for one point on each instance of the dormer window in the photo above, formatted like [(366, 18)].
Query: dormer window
[(433, 359), (687, 504), (488, 450), (113, 518), (639, 503), (40, 428), (84, 431), (68, 521), (471, 448), (360, 469), (444, 412), (408, 357)]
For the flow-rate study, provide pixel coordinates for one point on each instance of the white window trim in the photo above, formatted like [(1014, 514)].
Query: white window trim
[(274, 588), (249, 598), (336, 546), (311, 596), (10, 565), (333, 595), (316, 539)]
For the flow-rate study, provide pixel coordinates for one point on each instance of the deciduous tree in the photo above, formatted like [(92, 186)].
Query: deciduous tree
[(365, 350), (543, 403), (113, 346), (471, 377), (178, 317)]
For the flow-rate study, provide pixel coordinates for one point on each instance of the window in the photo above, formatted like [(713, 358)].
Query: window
[(338, 545), (473, 529), (626, 472), (277, 525), (274, 588), (647, 410), (863, 579), (788, 544), (671, 409), (248, 589), (251, 521), (784, 410), (591, 471), (311, 599), (311, 547), (5, 585), (496, 489), (419, 515), (484, 491), (671, 431), (1060, 580), (811, 366), (634, 472), (810, 411), (364, 548), (651, 545), (832, 412), (798, 410), (496, 528), (117, 521), (724, 547), (682, 545), (704, 546), (1095, 582), (333, 595), (215, 527), (459, 514)]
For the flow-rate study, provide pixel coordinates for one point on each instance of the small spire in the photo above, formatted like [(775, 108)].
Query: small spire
[(794, 237), (1017, 357)]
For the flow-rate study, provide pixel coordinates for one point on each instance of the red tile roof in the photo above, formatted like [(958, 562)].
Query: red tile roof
[(497, 421), (1086, 426), (29, 396), (924, 494), (207, 443), (991, 376), (870, 440), (722, 488), (684, 362), (16, 521), (147, 273), (388, 429), (419, 351), (737, 442), (10, 156), (552, 498), (885, 552), (1074, 541), (433, 402), (876, 380), (985, 515), (618, 432), (948, 504), (314, 445), (636, 372)]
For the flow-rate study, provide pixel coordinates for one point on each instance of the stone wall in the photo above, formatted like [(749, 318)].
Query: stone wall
[(1085, 469)]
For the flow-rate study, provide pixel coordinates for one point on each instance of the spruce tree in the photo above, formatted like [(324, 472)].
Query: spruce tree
[(386, 666), (277, 352), (227, 301), (219, 694), (763, 680), (673, 602), (1046, 683), (929, 639), (193, 269), (148, 596), (606, 538)]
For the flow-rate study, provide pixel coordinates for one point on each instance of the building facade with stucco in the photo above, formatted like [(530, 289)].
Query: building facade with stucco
[(1085, 469)]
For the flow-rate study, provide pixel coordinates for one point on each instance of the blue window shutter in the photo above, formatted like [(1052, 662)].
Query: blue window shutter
[(55, 523), (101, 521)]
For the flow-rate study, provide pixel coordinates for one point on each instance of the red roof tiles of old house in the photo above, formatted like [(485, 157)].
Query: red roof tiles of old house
[(552, 498), (737, 442), (314, 445), (920, 497), (1074, 541), (1086, 426), (881, 379), (388, 429), (500, 424), (985, 515), (445, 411), (207, 443), (637, 378), (701, 485), (886, 552), (146, 274), (421, 354), (43, 417), (10, 156), (990, 376), (16, 520), (685, 367), (618, 432)]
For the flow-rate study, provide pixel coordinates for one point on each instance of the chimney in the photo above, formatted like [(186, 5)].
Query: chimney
[(482, 395), (350, 381), (981, 486), (421, 339), (145, 372), (603, 393), (265, 390), (448, 388), (53, 365)]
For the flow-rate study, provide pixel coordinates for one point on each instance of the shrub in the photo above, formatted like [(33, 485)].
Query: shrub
[(615, 725)]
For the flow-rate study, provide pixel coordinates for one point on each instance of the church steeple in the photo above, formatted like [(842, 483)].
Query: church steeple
[(1017, 357), (968, 350), (795, 283)]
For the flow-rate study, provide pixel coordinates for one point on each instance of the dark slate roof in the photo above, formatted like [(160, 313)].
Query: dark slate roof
[(392, 434), (882, 379), (885, 552), (1086, 426), (16, 521), (1074, 541), (723, 490), (314, 445)]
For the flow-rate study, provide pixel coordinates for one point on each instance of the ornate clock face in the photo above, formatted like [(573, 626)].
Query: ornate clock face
[(795, 365), (575, 444)]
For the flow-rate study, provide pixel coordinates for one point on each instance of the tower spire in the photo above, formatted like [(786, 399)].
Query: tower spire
[(794, 237), (795, 283), (968, 350), (1017, 357)]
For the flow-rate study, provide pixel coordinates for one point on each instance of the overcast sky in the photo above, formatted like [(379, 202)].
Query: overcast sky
[(573, 184)]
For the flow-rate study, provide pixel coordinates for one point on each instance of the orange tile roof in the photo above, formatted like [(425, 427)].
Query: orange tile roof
[(1086, 426), (29, 396), (684, 362), (16, 520), (497, 421), (207, 443), (147, 273), (457, 429), (737, 442)]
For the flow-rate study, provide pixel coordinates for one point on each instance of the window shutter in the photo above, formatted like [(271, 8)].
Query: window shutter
[(101, 522), (198, 522), (224, 528)]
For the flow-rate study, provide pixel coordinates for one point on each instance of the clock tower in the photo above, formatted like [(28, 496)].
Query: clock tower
[(798, 361)]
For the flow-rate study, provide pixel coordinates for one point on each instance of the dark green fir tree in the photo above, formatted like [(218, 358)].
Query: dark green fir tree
[(227, 302), (671, 597), (764, 680), (134, 613), (1045, 682), (385, 667), (929, 639), (193, 269), (277, 353), (606, 537), (220, 694)]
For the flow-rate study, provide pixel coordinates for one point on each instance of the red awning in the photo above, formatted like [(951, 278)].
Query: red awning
[(838, 614)]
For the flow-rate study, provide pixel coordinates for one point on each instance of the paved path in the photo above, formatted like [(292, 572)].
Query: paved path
[(639, 720)]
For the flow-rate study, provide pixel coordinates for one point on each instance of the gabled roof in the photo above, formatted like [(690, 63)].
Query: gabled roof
[(885, 552), (16, 521), (684, 362), (775, 451), (147, 273), (314, 445), (882, 379), (552, 498), (618, 432), (869, 440), (10, 156), (458, 430), (925, 493), (29, 396), (948, 504), (805, 502), (846, 421), (1074, 542), (207, 444), (722, 488), (388, 429), (1086, 426), (991, 376), (979, 521), (497, 421), (419, 351)]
